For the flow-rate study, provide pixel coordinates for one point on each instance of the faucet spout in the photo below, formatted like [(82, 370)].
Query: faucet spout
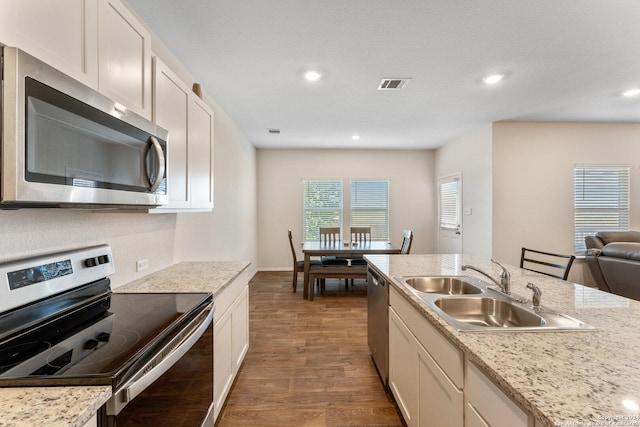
[(505, 277)]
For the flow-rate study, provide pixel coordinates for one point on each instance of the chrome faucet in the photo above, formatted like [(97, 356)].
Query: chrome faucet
[(537, 295), (505, 277)]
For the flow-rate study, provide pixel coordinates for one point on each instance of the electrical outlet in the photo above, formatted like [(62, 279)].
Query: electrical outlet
[(142, 264)]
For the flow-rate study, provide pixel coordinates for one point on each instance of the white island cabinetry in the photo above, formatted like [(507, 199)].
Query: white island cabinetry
[(487, 406), (425, 370)]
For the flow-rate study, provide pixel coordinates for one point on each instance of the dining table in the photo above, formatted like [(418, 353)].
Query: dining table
[(343, 250)]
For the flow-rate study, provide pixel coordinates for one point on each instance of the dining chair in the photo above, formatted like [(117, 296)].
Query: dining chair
[(547, 263), (407, 239), (298, 266), (359, 236), (331, 236)]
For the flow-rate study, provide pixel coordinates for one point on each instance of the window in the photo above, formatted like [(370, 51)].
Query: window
[(601, 201), (449, 203), (370, 207), (322, 202)]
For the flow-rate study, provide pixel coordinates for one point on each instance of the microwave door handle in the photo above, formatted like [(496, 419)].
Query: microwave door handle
[(160, 171)]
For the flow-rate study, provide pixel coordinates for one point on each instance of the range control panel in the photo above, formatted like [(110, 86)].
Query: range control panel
[(26, 280)]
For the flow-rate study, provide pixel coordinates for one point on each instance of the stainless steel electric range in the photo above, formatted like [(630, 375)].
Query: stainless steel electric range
[(60, 324)]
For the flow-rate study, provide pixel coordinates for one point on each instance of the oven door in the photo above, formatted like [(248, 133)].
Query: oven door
[(174, 388)]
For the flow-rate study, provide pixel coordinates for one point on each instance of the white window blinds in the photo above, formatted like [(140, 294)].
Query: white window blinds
[(370, 207), (322, 201), (449, 204), (601, 201)]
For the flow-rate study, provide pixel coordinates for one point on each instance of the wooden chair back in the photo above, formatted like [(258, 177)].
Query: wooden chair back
[(407, 239), (293, 250), (329, 235), (547, 263), (361, 234)]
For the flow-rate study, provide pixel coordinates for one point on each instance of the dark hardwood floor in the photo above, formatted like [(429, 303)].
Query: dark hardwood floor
[(308, 362)]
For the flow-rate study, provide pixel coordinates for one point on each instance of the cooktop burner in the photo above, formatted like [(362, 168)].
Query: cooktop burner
[(101, 349)]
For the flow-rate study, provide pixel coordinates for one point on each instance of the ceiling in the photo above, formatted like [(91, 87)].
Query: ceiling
[(566, 60)]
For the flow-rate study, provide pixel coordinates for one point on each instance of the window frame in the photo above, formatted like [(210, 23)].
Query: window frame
[(597, 208), (364, 202), (312, 234)]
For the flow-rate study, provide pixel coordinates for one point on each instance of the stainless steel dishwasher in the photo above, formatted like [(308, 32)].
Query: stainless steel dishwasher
[(378, 322)]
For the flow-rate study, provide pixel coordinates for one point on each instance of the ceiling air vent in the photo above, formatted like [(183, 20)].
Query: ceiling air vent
[(393, 84), (273, 131)]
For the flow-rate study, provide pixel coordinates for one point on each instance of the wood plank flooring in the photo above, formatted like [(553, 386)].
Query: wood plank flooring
[(308, 362)]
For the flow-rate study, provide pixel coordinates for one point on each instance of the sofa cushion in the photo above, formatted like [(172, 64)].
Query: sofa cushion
[(618, 236), (625, 250)]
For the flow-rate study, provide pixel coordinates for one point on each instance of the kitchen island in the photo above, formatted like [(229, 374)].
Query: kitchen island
[(559, 378), (77, 406)]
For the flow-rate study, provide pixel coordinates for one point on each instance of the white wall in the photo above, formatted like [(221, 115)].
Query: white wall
[(471, 155), (230, 231), (280, 174), (533, 181)]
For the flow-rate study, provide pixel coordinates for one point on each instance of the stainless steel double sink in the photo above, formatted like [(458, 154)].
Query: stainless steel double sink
[(469, 304)]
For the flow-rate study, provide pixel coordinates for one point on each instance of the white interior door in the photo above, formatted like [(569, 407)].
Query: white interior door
[(449, 214)]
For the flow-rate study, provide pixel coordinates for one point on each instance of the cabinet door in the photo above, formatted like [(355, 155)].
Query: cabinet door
[(124, 57), (62, 33), (487, 403), (170, 111), (240, 329), (222, 361), (200, 154), (440, 401), (403, 368)]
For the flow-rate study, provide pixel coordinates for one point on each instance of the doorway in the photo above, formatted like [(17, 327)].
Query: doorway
[(449, 214)]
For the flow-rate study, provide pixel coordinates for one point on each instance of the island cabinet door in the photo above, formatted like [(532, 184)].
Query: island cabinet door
[(440, 401), (487, 405), (403, 368)]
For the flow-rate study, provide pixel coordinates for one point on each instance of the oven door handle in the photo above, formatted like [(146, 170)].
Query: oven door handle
[(138, 385)]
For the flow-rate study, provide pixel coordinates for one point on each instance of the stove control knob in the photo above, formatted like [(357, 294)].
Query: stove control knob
[(91, 344), (91, 262), (103, 259), (103, 336)]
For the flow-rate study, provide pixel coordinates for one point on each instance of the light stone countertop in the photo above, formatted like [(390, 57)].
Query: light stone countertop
[(201, 276), (50, 406), (562, 378), (74, 406)]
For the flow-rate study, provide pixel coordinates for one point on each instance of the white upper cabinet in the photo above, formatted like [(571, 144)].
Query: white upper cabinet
[(171, 111), (190, 149), (61, 33), (200, 154), (124, 57), (97, 42)]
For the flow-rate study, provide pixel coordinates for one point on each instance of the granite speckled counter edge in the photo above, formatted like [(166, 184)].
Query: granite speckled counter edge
[(74, 406), (561, 378)]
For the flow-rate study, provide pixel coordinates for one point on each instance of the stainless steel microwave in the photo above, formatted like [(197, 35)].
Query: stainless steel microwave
[(65, 145)]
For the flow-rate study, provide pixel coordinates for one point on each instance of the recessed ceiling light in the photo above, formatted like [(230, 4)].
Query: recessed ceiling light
[(355, 137), (631, 92), (312, 75), (493, 79)]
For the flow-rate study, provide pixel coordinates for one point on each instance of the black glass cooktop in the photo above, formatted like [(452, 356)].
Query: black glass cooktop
[(102, 341)]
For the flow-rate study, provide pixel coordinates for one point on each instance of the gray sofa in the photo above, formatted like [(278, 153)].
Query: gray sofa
[(613, 258)]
